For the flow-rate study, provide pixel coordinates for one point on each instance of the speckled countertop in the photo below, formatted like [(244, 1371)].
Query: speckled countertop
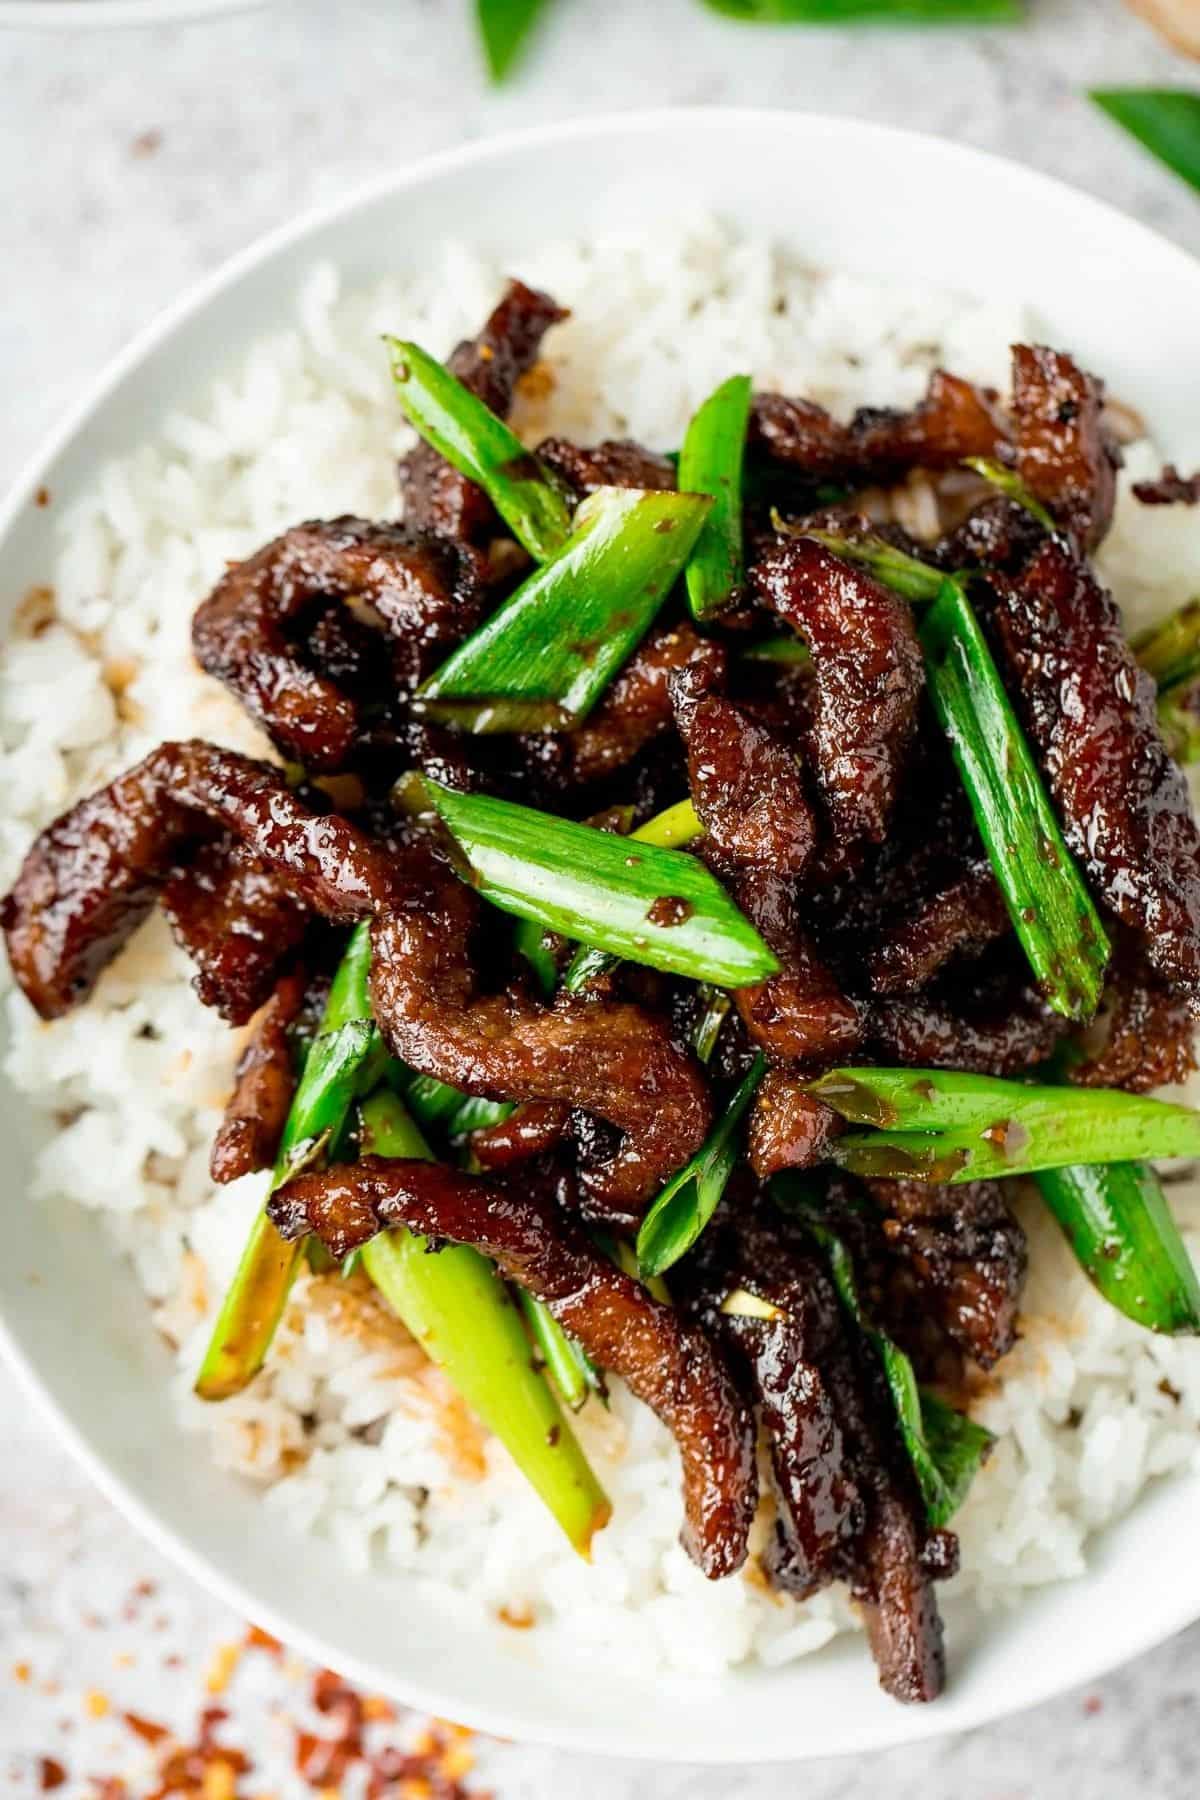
[(130, 164)]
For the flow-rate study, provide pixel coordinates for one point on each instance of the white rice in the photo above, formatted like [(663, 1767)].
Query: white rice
[(349, 1431)]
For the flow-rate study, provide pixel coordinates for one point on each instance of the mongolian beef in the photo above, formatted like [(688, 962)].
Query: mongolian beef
[(688, 903)]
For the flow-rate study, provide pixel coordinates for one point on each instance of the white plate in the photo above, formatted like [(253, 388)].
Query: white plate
[(74, 1324)]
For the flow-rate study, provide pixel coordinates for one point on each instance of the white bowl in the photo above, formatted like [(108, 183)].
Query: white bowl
[(64, 15), (74, 1323)]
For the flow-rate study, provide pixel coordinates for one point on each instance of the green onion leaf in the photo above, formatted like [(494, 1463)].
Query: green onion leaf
[(945, 1448), (914, 580), (542, 660), (658, 907), (1052, 911), (671, 830), (1165, 120), (687, 1203), (1009, 483), (711, 463), (792, 651), (1170, 650), (505, 27), (481, 446), (570, 1367), (1116, 1219)]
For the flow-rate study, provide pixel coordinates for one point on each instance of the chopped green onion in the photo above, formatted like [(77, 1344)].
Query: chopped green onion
[(946, 1449), (570, 1367), (530, 941), (481, 446), (433, 1103), (635, 900), (1052, 911), (740, 1303), (1166, 121), (670, 830), (717, 1006), (711, 463), (1116, 1219), (876, 12), (1170, 650), (782, 649), (457, 1309), (1179, 721), (543, 658), (1009, 483), (505, 27), (906, 575), (621, 1252), (687, 1203)]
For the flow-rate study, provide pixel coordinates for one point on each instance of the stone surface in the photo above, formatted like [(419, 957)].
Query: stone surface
[(130, 165)]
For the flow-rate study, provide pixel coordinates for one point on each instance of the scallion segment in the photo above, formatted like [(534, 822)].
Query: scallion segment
[(505, 27), (1052, 912), (481, 446), (569, 1366), (671, 829), (1165, 121), (1116, 1219), (543, 658), (633, 899), (906, 575), (687, 1203), (457, 1309), (711, 463), (1008, 482), (1170, 650)]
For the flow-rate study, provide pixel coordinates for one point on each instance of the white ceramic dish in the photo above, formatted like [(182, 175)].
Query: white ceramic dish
[(74, 1324), (95, 15)]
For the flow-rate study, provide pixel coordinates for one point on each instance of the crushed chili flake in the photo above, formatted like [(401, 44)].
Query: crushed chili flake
[(258, 1639), (42, 497), (146, 1729), (51, 1774)]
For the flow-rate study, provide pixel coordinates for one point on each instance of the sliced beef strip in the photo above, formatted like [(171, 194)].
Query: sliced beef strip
[(533, 1130), (1006, 1036), (788, 1127), (264, 1083), (618, 462), (869, 678), (1064, 455), (1145, 1035), (1090, 710), (238, 921), (963, 917), (614, 1058), (436, 497), (746, 781), (669, 1364), (426, 593), (637, 707), (1169, 489)]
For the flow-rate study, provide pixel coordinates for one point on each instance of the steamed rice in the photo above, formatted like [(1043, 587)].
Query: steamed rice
[(350, 1432)]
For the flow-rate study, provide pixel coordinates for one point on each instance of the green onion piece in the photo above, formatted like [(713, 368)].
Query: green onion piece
[(690, 1198), (717, 1005), (740, 1303), (653, 906), (458, 1310), (1116, 1219), (1009, 483), (945, 1448), (782, 649), (530, 942), (1166, 121), (1179, 721), (621, 1252), (433, 1104), (481, 446), (670, 830), (569, 1366), (876, 12), (505, 27), (476, 1113), (906, 575), (543, 658), (1170, 650), (1052, 912), (711, 463)]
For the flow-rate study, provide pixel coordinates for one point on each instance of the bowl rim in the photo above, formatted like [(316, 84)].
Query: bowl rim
[(101, 15), (1093, 1659)]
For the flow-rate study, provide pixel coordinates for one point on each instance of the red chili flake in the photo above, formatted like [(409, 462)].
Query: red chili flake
[(42, 497), (51, 1774), (258, 1639), (146, 1729)]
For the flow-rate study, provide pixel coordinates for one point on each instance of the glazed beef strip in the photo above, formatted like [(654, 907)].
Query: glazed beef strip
[(788, 1128), (1090, 710), (426, 592), (670, 1365), (1146, 1031), (618, 462), (1064, 455), (264, 1083), (1007, 1034), (954, 420), (92, 876), (436, 497), (968, 1256), (637, 707), (237, 920), (532, 1130), (746, 782), (613, 1058), (963, 917), (869, 678)]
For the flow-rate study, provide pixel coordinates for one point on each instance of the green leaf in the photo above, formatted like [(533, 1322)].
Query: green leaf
[(659, 907), (543, 658), (1165, 120), (1052, 912), (1116, 1219), (505, 27), (711, 463), (481, 446), (687, 1203)]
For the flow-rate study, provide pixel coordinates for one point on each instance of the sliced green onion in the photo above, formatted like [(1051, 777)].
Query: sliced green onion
[(621, 1252), (717, 1006), (1052, 911), (711, 463), (1009, 483), (530, 942), (543, 658), (1179, 721), (481, 446), (1116, 1219), (875, 12), (1166, 121), (906, 575), (569, 1366), (670, 830), (505, 27), (690, 1198), (658, 907), (946, 1449), (458, 1310), (792, 651), (740, 1303), (1170, 650)]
